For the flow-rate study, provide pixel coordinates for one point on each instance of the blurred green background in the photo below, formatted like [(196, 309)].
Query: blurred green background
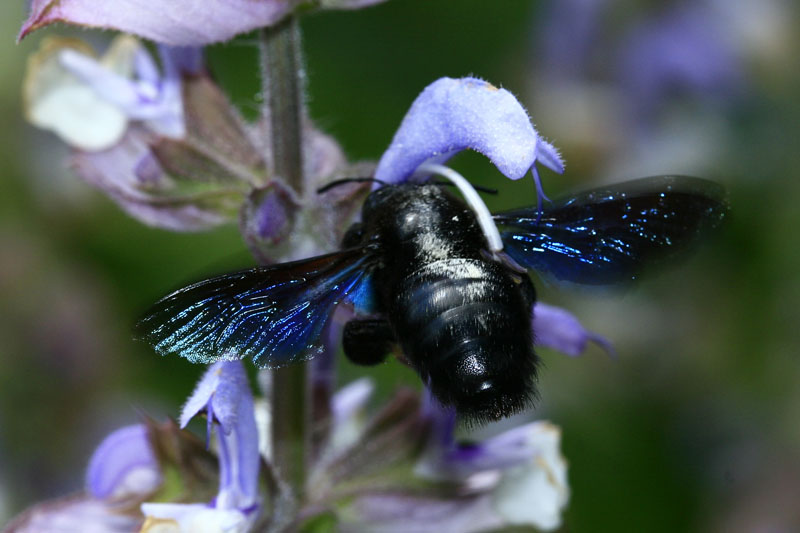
[(694, 427)]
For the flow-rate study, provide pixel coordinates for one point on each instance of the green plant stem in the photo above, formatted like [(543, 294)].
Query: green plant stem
[(282, 89), (283, 115)]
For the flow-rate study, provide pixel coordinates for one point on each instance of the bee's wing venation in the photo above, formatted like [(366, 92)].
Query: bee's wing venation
[(273, 314), (605, 235)]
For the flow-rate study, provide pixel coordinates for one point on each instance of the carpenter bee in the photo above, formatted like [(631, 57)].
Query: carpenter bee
[(419, 274)]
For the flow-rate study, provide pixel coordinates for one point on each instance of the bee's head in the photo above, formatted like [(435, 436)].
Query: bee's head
[(406, 214), (398, 197)]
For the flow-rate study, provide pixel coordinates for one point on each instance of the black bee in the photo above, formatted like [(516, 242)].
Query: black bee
[(417, 272)]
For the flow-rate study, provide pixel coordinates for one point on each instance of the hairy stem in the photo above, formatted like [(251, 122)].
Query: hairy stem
[(282, 90), (283, 115)]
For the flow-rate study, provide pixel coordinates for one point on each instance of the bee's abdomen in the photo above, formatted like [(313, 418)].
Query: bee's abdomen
[(465, 326)]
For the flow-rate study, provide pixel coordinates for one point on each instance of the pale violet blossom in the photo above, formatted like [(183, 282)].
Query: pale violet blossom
[(557, 328), (535, 491), (90, 102), (74, 514), (451, 115), (516, 478), (176, 22), (122, 472), (224, 395), (348, 414), (123, 464)]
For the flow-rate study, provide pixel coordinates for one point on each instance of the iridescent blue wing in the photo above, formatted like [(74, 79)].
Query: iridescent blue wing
[(273, 314), (606, 235)]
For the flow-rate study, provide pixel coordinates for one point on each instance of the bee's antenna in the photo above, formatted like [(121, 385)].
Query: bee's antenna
[(473, 199), (336, 183)]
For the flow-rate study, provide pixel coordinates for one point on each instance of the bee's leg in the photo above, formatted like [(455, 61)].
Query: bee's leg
[(367, 341)]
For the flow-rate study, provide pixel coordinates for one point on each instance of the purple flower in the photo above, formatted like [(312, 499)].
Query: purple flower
[(122, 472), (150, 96), (165, 145), (90, 102), (131, 175), (224, 394), (452, 115), (126, 470), (348, 412), (280, 225), (177, 22), (516, 478), (124, 463), (74, 514), (560, 330), (681, 51), (169, 148)]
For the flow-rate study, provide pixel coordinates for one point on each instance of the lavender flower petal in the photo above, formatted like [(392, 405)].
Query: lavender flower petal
[(194, 518), (89, 102), (536, 493), (560, 330), (447, 459), (74, 515), (442, 420), (123, 463), (451, 115), (161, 96), (266, 218), (128, 173), (403, 513), (56, 99), (351, 399), (177, 22), (224, 393), (526, 458), (145, 66), (509, 449), (141, 94), (218, 375), (548, 155), (110, 86), (348, 414)]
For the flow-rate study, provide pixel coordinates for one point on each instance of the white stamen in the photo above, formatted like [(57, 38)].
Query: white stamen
[(473, 200)]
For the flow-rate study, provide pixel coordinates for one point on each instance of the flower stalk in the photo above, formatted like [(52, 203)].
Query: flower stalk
[(282, 93), (282, 117)]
